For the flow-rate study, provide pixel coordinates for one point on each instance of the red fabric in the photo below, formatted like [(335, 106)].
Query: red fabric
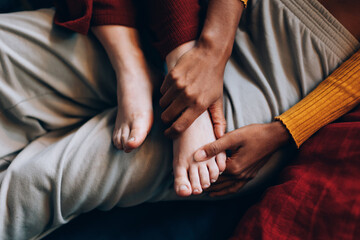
[(173, 22), (79, 15), (318, 196)]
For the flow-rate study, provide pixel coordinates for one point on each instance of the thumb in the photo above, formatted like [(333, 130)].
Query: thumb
[(217, 116), (228, 141)]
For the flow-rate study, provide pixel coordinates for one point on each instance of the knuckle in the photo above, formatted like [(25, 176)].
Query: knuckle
[(173, 74), (198, 102), (187, 92), (235, 169), (180, 84), (213, 149), (178, 128)]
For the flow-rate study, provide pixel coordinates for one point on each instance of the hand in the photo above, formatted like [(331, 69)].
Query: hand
[(193, 85), (250, 147)]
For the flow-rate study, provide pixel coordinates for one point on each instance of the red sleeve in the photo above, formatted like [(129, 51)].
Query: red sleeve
[(79, 15), (174, 22)]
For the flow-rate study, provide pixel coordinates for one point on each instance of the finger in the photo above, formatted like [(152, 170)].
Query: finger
[(217, 116), (224, 178), (183, 122), (219, 187), (168, 97), (254, 168), (173, 111), (228, 141), (170, 78), (230, 190)]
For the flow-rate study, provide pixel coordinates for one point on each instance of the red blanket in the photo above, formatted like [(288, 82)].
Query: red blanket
[(318, 195)]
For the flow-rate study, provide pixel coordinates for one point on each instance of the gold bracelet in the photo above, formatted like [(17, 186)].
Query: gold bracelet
[(244, 2)]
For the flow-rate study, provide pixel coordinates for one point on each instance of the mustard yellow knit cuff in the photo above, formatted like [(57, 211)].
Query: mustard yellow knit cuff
[(335, 96), (244, 2)]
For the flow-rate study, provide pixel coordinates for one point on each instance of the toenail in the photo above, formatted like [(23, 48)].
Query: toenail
[(131, 139), (220, 173), (183, 188), (213, 180), (196, 190), (206, 185)]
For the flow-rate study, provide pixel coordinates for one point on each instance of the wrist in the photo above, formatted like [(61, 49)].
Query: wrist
[(216, 45), (280, 133)]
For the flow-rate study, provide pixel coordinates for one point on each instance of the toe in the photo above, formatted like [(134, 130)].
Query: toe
[(117, 139), (221, 161), (204, 176), (124, 136), (181, 184), (138, 132), (195, 180), (136, 138), (213, 171)]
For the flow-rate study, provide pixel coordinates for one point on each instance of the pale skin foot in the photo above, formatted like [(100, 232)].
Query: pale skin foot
[(190, 176), (135, 113), (134, 85)]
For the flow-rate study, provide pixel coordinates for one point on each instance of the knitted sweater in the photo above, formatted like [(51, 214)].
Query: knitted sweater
[(173, 22)]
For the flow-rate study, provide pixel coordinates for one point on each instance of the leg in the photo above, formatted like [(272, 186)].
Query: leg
[(61, 175), (49, 79), (134, 85)]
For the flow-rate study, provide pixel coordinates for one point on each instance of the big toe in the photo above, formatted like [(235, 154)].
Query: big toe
[(117, 139), (181, 184), (136, 138)]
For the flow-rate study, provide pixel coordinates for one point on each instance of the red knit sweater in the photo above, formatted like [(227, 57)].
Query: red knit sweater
[(173, 22)]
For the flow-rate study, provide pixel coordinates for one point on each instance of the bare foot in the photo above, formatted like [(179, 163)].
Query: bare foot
[(135, 113), (192, 177)]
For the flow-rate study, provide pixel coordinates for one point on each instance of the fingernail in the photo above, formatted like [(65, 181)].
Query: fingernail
[(131, 139), (213, 180), (200, 155)]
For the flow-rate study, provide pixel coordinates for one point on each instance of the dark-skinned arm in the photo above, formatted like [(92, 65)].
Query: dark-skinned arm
[(195, 84)]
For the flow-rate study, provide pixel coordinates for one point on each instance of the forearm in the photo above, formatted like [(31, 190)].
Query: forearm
[(221, 22), (334, 97), (217, 36)]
